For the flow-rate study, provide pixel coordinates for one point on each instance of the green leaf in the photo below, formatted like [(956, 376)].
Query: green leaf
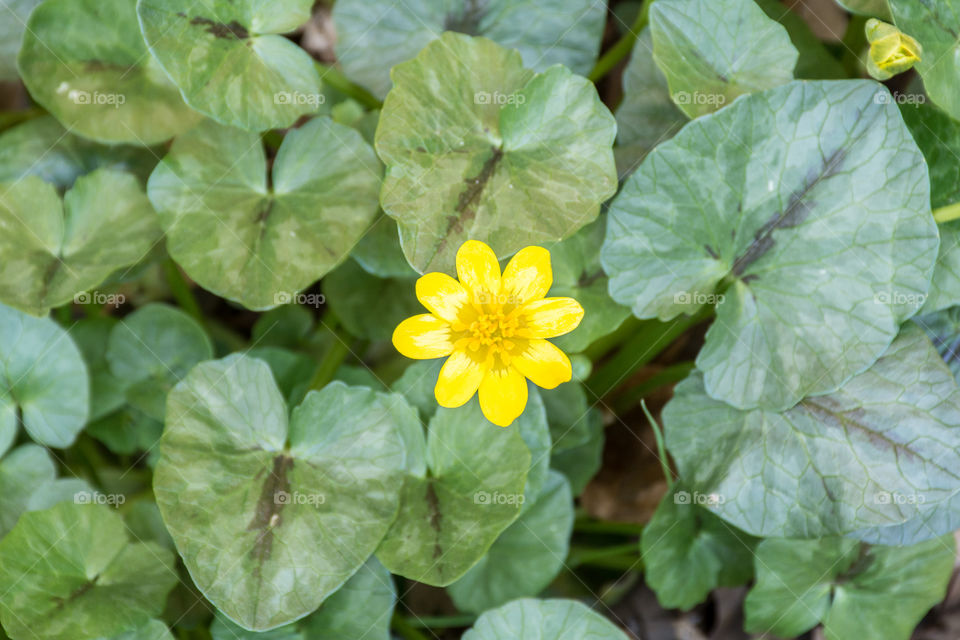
[(44, 384), (370, 307), (50, 492), (246, 494), (934, 24), (23, 472), (646, 116), (417, 385), (544, 620), (153, 349), (535, 431), (86, 63), (577, 274), (223, 629), (712, 51), (74, 575), (477, 146), (292, 371), (42, 147), (874, 8), (255, 240), (14, 16), (360, 610), (454, 506), (152, 630), (55, 250), (943, 329), (688, 551), (379, 251), (373, 36), (576, 430), (757, 235), (285, 326), (107, 392), (938, 137), (128, 429), (815, 61), (880, 452), (229, 62), (855, 590), (526, 556)]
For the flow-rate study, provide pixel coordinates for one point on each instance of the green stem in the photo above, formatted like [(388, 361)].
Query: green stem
[(621, 47), (182, 292), (587, 525), (336, 354), (948, 213), (339, 81), (661, 447), (646, 344), (442, 622), (405, 629), (592, 555), (629, 398), (605, 344)]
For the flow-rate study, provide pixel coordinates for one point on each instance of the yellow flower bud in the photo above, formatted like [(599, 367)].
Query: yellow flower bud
[(891, 50)]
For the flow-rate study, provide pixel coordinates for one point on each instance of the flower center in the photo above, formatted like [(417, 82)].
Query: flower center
[(492, 330)]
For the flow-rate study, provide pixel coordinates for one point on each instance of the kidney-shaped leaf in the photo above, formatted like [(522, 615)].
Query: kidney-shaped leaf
[(53, 249), (544, 620), (477, 146), (469, 488), (45, 384), (804, 212), (373, 36), (712, 51), (259, 239), (70, 573), (272, 516), (879, 452), (85, 61), (229, 62)]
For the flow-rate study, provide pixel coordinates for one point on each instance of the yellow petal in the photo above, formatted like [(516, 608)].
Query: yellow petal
[(528, 276), (477, 268), (459, 379), (442, 295), (544, 363), (424, 336), (551, 317), (503, 395)]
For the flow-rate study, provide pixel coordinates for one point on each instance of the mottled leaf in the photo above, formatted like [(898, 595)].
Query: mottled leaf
[(544, 620)]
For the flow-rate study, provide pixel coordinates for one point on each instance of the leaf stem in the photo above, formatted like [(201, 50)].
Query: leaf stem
[(442, 622), (592, 555), (406, 630), (661, 447), (629, 398), (586, 525), (621, 47), (948, 213), (335, 355), (182, 293), (339, 81)]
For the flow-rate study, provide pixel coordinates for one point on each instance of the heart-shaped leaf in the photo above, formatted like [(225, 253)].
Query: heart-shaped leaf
[(544, 620), (882, 451), (106, 87), (467, 488), (477, 146), (22, 472), (247, 493), (855, 590), (256, 238), (758, 234), (526, 556), (44, 385), (712, 51), (54, 250), (72, 574), (229, 62), (373, 36)]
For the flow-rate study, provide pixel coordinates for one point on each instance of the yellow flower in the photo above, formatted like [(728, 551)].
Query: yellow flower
[(891, 50), (493, 328)]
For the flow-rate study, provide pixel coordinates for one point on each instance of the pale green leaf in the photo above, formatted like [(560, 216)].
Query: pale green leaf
[(545, 620), (757, 235), (107, 392), (360, 610), (875, 8), (259, 240), (13, 22), (23, 472), (152, 630), (477, 146)]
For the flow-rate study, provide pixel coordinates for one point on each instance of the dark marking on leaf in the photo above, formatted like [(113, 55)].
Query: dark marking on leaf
[(709, 250), (232, 30), (796, 211), (750, 277), (79, 591), (436, 519), (588, 279), (468, 20), (267, 515)]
